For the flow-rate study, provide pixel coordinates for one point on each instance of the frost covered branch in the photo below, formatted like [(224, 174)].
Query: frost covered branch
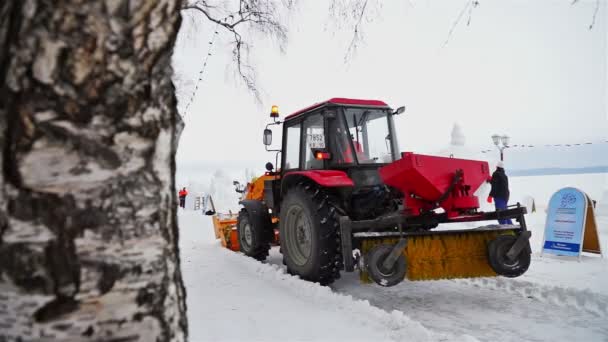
[(597, 8), (353, 13), (239, 18), (470, 5)]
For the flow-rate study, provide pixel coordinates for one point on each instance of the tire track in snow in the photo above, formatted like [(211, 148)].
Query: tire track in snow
[(487, 314), (556, 295)]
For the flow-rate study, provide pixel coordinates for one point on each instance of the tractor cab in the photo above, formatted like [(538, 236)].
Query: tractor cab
[(339, 134)]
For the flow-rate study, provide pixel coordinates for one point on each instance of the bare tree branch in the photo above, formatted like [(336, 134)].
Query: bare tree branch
[(470, 5), (357, 37), (597, 8), (246, 16), (351, 14)]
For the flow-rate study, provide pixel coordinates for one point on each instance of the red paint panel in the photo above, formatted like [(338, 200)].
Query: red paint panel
[(327, 178), (430, 176)]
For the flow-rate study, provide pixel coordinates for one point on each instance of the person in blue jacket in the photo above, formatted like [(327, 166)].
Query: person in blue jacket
[(500, 190)]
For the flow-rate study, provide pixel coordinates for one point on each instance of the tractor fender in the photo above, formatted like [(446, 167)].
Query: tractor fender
[(324, 178), (258, 213)]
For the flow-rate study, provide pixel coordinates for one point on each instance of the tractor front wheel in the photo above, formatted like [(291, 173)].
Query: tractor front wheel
[(383, 277), (253, 240), (308, 233), (501, 264)]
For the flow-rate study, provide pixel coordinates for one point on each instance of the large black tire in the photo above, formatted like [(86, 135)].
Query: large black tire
[(497, 256), (373, 263), (253, 240), (309, 235)]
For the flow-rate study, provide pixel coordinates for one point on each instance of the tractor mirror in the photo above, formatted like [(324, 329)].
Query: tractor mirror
[(269, 167), (267, 137), (399, 110)]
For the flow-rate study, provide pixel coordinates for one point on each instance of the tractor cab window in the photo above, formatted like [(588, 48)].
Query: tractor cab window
[(292, 147), (369, 132), (314, 140)]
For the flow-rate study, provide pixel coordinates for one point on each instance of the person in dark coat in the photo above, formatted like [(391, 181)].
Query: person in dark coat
[(500, 190)]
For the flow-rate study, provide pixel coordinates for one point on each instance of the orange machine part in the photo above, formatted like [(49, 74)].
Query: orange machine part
[(234, 240), (224, 227), (255, 189)]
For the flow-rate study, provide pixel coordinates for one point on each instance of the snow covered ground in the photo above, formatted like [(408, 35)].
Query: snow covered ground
[(234, 298)]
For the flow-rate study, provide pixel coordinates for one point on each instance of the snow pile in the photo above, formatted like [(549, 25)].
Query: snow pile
[(222, 191), (232, 297)]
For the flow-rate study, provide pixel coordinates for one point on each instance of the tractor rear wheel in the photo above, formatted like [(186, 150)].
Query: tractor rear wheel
[(253, 240), (309, 234), (501, 264)]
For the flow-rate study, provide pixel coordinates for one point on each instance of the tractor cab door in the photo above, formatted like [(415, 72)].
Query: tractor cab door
[(340, 145), (304, 139), (292, 133)]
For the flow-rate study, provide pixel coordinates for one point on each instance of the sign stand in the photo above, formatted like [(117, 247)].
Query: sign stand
[(571, 227), (591, 237)]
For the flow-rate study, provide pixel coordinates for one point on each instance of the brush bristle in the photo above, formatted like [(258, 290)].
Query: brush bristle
[(445, 256)]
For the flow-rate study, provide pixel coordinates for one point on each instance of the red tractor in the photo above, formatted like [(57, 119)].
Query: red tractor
[(345, 197)]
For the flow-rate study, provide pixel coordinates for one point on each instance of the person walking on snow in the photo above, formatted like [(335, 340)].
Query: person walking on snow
[(500, 190), (182, 197)]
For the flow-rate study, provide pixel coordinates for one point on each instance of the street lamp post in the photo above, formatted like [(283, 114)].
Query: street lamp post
[(501, 142)]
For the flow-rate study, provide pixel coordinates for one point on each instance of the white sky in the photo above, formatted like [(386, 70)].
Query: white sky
[(530, 69)]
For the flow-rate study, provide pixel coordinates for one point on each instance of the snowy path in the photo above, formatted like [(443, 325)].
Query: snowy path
[(235, 298), (493, 309)]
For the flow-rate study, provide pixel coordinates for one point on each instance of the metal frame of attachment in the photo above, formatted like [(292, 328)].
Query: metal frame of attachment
[(392, 226)]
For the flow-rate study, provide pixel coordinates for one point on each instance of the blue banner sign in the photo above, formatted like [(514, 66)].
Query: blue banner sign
[(565, 222)]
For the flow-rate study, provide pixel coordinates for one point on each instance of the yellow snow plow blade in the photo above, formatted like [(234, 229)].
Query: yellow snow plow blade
[(443, 256)]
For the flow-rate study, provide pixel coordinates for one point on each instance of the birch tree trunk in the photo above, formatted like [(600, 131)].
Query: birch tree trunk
[(88, 133)]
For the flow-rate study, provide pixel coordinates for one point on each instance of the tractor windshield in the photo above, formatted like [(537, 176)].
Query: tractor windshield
[(370, 134)]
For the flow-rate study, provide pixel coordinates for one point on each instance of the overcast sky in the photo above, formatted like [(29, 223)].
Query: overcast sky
[(530, 69)]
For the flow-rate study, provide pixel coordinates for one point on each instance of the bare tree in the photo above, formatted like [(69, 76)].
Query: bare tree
[(88, 133), (242, 18), (355, 13)]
